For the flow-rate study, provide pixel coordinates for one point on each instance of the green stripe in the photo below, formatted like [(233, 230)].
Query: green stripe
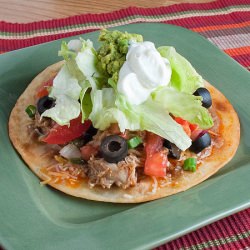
[(219, 242), (126, 19)]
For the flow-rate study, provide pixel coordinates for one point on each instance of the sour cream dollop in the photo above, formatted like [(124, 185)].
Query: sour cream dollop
[(142, 72)]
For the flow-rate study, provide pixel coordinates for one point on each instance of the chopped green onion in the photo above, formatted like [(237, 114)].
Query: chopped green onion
[(190, 164), (31, 111), (134, 142), (79, 161)]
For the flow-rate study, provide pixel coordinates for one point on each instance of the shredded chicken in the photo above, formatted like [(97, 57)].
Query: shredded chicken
[(40, 126), (122, 174), (43, 124)]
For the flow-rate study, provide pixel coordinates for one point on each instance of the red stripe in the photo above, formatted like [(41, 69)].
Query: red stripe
[(234, 25), (194, 238), (229, 226), (14, 27), (192, 22), (238, 51), (244, 60), (199, 21), (236, 244), (191, 239)]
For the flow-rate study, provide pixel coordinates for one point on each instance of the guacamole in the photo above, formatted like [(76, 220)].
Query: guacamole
[(112, 53)]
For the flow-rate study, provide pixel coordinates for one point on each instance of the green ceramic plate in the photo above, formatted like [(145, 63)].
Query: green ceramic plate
[(35, 217)]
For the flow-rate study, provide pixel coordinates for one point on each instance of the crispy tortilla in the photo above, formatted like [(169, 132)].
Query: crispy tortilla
[(38, 155)]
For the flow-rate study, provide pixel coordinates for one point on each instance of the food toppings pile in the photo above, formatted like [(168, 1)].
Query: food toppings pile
[(123, 112)]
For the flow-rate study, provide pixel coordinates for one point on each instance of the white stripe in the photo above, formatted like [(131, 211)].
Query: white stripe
[(122, 22), (231, 41)]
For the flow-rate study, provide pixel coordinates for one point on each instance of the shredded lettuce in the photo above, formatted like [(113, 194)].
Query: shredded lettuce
[(184, 77), (86, 63), (129, 111), (156, 119), (105, 112), (82, 63), (74, 82), (65, 84), (85, 100), (69, 57), (186, 106), (66, 91), (86, 60), (65, 110), (110, 107)]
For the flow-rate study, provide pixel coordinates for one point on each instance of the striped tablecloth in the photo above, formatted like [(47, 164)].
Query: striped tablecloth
[(226, 23)]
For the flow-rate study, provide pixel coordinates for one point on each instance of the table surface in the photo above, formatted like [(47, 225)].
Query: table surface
[(28, 11)]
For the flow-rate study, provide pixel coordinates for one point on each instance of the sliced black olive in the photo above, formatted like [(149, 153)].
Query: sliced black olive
[(174, 151), (200, 143), (206, 97), (114, 148), (45, 103), (167, 144)]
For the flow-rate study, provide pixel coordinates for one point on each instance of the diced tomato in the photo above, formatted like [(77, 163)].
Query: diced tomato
[(156, 164), (153, 144), (87, 151), (192, 130), (184, 124), (195, 131), (43, 90), (193, 127), (63, 134), (156, 157)]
